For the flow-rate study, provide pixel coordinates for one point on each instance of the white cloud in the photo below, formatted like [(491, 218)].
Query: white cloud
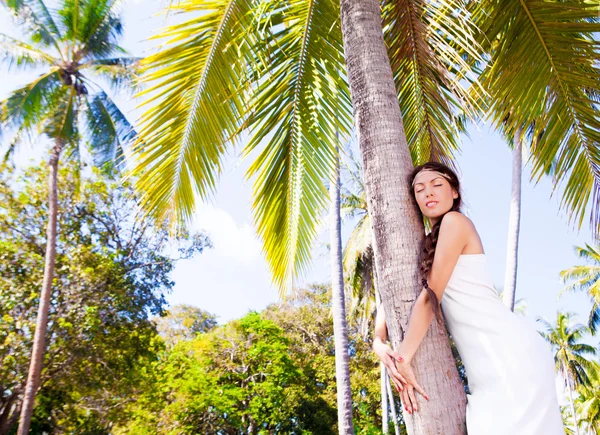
[(230, 240)]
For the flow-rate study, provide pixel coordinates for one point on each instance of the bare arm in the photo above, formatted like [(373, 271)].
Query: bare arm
[(451, 241)]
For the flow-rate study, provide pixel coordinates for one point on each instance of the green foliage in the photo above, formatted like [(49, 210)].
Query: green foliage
[(184, 322), (75, 44), (111, 275), (269, 372)]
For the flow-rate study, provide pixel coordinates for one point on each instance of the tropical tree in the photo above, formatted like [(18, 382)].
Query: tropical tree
[(587, 405), (276, 69), (73, 46), (112, 275), (338, 298), (546, 107), (586, 278), (570, 354)]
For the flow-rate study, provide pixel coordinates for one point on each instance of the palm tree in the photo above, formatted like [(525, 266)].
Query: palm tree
[(340, 332), (570, 354), (514, 223), (359, 267), (586, 278), (71, 45), (277, 69), (587, 404)]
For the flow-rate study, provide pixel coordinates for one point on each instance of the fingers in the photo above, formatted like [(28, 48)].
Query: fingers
[(413, 399), (421, 390), (396, 374), (406, 401), (397, 386)]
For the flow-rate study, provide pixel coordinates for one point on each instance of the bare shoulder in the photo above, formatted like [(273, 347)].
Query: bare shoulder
[(455, 220), (458, 223)]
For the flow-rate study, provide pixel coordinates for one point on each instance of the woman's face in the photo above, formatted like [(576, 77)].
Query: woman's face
[(434, 194)]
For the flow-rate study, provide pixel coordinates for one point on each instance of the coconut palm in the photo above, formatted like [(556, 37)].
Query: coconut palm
[(72, 47), (340, 331), (586, 278), (275, 69), (587, 405), (570, 354)]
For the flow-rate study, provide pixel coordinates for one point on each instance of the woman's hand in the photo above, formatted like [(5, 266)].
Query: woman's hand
[(408, 394), (387, 356)]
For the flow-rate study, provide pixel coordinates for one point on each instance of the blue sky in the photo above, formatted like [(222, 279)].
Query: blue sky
[(233, 277)]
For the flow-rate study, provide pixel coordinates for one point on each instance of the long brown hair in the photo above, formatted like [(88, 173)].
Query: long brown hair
[(430, 241)]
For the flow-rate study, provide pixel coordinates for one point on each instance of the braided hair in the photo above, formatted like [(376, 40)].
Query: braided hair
[(430, 241)]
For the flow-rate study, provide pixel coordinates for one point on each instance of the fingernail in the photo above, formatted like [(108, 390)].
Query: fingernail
[(427, 397), (400, 359)]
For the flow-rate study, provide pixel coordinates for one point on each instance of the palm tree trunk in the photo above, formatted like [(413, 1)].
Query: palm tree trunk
[(572, 403), (385, 423), (342, 370), (397, 225), (512, 249), (393, 408), (383, 380), (39, 338)]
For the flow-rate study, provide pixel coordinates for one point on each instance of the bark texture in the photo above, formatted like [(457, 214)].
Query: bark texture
[(41, 325), (396, 223), (514, 223), (340, 331)]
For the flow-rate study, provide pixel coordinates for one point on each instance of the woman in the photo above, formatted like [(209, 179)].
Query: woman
[(509, 366)]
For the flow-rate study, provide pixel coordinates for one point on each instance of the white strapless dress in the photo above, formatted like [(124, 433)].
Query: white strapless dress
[(509, 366)]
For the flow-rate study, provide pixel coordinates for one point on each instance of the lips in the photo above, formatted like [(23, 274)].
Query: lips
[(431, 204)]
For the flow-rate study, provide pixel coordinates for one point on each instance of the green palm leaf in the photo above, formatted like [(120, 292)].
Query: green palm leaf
[(35, 21), (195, 87), (544, 75), (109, 130), (570, 353), (16, 53), (299, 108), (27, 106), (429, 44), (586, 278)]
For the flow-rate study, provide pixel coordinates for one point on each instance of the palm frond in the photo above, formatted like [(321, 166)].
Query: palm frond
[(429, 44), (93, 26), (120, 72), (109, 130), (544, 73), (18, 54), (300, 106), (26, 106), (195, 87), (35, 20)]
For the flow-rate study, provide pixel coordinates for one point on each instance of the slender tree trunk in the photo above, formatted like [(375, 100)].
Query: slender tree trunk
[(572, 403), (393, 408), (39, 338), (383, 380), (342, 370), (397, 225), (385, 423), (514, 221)]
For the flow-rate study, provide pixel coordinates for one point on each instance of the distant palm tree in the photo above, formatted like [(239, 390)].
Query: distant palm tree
[(338, 297), (570, 354), (587, 278), (71, 46), (587, 405)]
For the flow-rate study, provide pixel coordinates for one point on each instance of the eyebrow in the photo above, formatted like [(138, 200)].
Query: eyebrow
[(431, 181)]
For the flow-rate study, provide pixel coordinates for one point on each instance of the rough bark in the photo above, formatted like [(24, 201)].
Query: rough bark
[(39, 338), (385, 424), (397, 225), (514, 221), (393, 408), (340, 332)]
